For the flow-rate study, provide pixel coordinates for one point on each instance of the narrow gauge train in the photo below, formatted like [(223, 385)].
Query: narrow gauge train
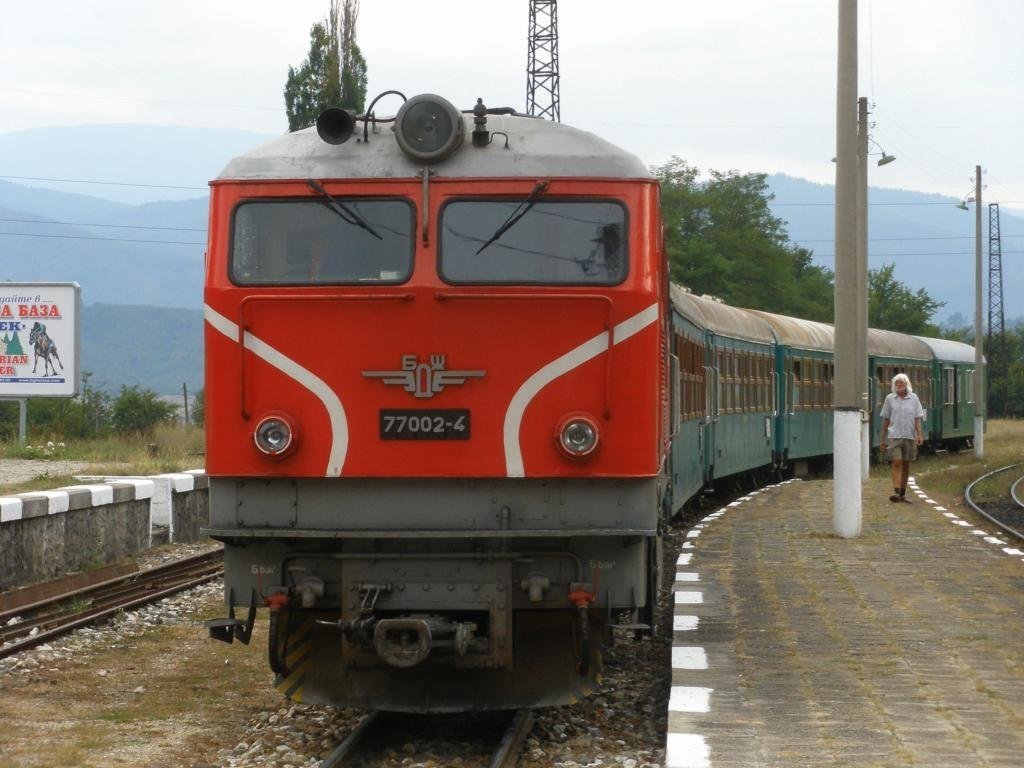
[(452, 397)]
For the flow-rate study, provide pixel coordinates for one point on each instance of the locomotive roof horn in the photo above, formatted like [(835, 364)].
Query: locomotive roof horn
[(335, 126)]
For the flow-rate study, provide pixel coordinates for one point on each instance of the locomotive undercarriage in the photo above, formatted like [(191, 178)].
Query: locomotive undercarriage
[(438, 620)]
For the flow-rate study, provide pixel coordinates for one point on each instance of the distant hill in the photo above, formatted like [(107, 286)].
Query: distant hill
[(137, 251), (154, 347), (156, 158), (928, 239), (110, 243), (144, 254)]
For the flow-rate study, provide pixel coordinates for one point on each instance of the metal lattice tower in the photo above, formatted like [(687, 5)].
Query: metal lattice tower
[(996, 326), (542, 64)]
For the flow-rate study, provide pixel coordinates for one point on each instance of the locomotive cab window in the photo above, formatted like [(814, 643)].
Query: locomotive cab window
[(308, 242), (546, 242)]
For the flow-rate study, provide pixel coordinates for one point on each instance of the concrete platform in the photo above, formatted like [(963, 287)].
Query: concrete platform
[(904, 647)]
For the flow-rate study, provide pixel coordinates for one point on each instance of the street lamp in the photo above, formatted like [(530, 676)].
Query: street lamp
[(863, 152), (979, 359)]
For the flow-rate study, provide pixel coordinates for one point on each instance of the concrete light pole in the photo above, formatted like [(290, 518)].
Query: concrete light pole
[(846, 487), (979, 362), (864, 371), (863, 375)]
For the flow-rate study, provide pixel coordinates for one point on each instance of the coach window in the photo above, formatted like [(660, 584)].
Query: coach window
[(308, 242), (750, 383), (948, 386), (737, 373), (750, 398), (921, 387), (811, 388), (550, 242), (693, 374), (796, 385)]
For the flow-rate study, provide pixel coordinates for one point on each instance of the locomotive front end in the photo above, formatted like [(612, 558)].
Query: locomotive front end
[(435, 396)]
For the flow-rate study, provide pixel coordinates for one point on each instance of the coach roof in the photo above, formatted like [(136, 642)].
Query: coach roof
[(720, 318), (797, 333), (892, 344), (536, 149), (949, 351)]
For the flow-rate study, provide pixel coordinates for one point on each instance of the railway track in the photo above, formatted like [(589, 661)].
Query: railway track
[(379, 729), (1017, 492), (29, 625), (1006, 513)]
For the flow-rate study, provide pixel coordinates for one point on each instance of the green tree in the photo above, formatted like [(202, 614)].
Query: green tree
[(333, 73), (353, 63), (1005, 390), (199, 408), (93, 414), (894, 307), (722, 239), (1005, 359), (139, 410)]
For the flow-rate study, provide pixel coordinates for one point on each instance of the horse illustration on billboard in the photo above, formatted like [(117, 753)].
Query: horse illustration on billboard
[(45, 348)]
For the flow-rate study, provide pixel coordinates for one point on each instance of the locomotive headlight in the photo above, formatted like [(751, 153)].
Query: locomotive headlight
[(578, 436), (428, 128), (274, 436)]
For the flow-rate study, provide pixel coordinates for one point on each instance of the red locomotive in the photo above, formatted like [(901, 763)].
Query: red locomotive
[(436, 398)]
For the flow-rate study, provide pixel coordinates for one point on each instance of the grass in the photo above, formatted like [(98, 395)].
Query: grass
[(950, 474), (170, 696), (167, 449)]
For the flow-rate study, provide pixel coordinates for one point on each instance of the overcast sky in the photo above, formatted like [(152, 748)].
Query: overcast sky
[(725, 84)]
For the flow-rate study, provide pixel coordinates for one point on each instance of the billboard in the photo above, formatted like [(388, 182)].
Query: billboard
[(39, 339)]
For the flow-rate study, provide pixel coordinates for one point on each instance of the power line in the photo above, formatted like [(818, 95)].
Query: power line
[(952, 205), (203, 229), (110, 226), (881, 239), (205, 188), (66, 94), (93, 181), (197, 229), (186, 242), (921, 253), (103, 239)]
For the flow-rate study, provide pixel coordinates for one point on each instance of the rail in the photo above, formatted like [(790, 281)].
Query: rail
[(971, 503), (1016, 490), (374, 728), (29, 625)]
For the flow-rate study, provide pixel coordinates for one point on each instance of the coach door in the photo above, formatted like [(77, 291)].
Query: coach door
[(950, 397), (711, 401)]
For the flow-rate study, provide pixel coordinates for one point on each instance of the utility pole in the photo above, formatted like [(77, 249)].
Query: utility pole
[(979, 379), (846, 487), (542, 98), (996, 320), (863, 375)]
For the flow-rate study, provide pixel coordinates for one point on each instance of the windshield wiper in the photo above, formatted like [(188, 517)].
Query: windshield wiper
[(346, 213), (521, 210)]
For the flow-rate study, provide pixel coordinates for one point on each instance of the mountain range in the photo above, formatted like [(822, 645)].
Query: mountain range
[(135, 243)]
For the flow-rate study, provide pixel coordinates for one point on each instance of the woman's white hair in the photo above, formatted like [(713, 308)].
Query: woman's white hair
[(905, 379)]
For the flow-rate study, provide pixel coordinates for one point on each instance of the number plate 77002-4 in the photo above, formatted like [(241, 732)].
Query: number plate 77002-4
[(424, 424)]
